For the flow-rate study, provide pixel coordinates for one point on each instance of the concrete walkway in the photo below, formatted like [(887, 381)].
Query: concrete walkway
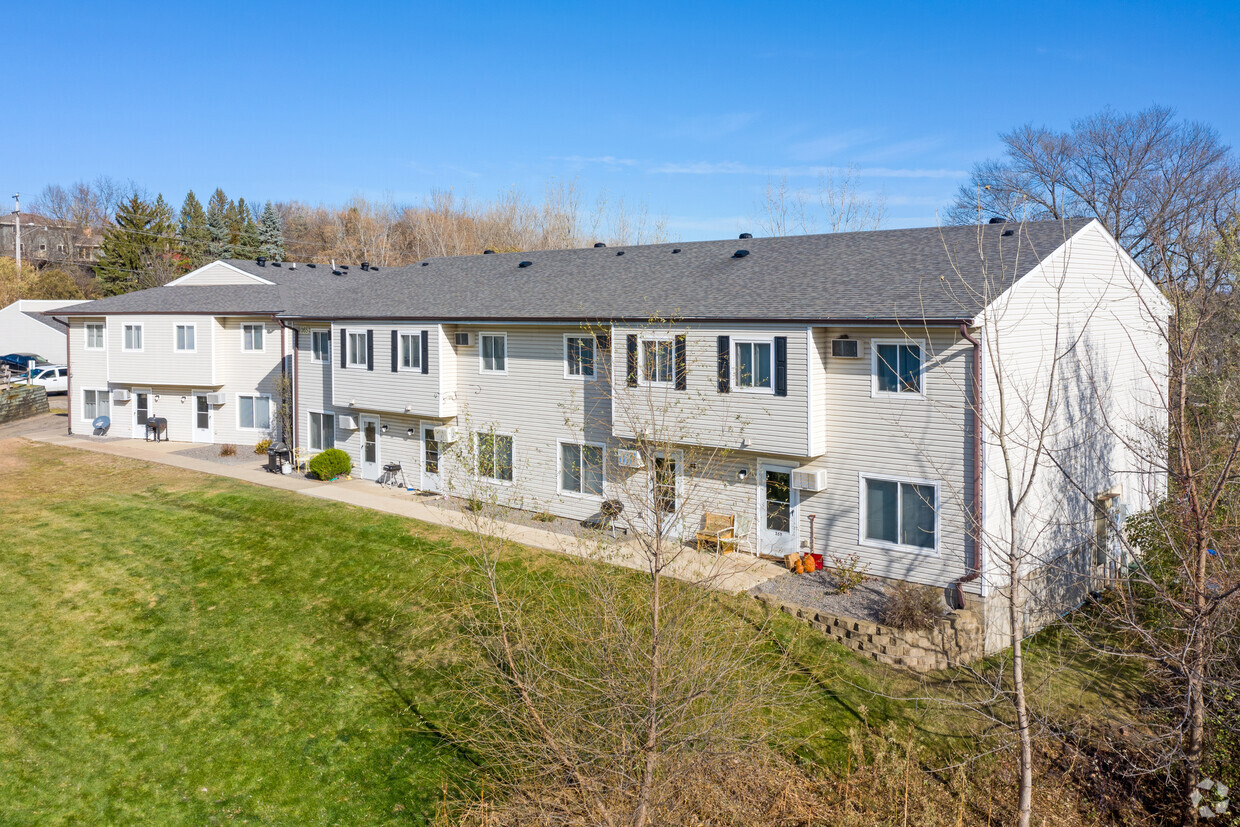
[(732, 573)]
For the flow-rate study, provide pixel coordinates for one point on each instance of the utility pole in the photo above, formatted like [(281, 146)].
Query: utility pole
[(17, 224)]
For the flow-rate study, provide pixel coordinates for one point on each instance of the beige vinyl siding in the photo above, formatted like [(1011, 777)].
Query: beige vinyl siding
[(314, 382), (159, 362), (241, 372), (87, 368), (215, 273), (175, 403), (701, 415), (405, 391), (895, 438), (819, 352)]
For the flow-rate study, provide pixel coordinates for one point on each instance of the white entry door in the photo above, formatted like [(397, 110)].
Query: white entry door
[(141, 404), (666, 496), (431, 479), (370, 447), (204, 419), (777, 511)]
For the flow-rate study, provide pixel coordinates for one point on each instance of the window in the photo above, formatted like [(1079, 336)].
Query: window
[(94, 403), (897, 367), (494, 456), (94, 336), (321, 345), (493, 352), (411, 351), (133, 337), (254, 412), (899, 513), (753, 365), (357, 349), (579, 356), (581, 469), (185, 337), (251, 337), (322, 431), (658, 360)]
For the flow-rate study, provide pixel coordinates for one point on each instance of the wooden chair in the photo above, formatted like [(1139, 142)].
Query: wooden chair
[(718, 530)]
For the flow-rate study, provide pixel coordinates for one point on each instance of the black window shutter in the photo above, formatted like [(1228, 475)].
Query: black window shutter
[(603, 340), (426, 351), (725, 364), (682, 364), (781, 365), (344, 348), (631, 373), (370, 350), (395, 351)]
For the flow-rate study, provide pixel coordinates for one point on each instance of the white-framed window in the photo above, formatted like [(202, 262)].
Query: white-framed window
[(579, 356), (753, 365), (252, 338), (95, 403), (896, 367), (494, 455), (186, 335), (900, 513), (321, 345), (581, 469), (657, 360), (357, 349), (133, 338), (493, 352), (411, 351), (94, 336), (253, 412), (322, 431)]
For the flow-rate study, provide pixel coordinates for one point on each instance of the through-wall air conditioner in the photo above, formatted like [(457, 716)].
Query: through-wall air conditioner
[(447, 433), (120, 395), (348, 423), (628, 458), (216, 398), (463, 339), (809, 480), (845, 348)]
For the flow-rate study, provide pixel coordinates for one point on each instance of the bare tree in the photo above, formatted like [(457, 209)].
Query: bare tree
[(836, 205)]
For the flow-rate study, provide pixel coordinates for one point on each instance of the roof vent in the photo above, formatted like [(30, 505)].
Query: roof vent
[(365, 265), (488, 252), (292, 265), (337, 273), (425, 263), (740, 254), (311, 265), (525, 264), (344, 267), (599, 244), (275, 264), (998, 219), (746, 235), (1009, 232), (374, 269), (675, 249), (619, 252), (260, 261)]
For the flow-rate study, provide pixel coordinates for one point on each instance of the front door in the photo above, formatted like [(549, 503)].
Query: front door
[(777, 507), (141, 412), (665, 497), (431, 481), (370, 447), (204, 427)]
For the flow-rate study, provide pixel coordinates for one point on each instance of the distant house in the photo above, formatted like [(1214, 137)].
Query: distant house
[(48, 241), (25, 329)]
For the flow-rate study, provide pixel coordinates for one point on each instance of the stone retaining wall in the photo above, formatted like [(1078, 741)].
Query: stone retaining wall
[(22, 402), (955, 639)]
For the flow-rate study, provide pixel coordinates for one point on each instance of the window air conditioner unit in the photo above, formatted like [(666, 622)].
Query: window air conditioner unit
[(809, 480), (845, 348), (120, 395), (216, 398), (447, 433), (463, 340), (348, 423), (628, 458)]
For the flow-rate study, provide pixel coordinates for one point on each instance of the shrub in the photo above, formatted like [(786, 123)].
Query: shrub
[(849, 571), (228, 450), (910, 606), (544, 517), (474, 504), (261, 446), (330, 464)]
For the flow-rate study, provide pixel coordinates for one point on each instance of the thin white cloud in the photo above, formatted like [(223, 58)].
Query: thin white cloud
[(606, 160), (734, 168), (827, 146)]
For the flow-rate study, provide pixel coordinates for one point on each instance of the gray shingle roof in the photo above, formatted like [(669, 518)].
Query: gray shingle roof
[(58, 326), (934, 273)]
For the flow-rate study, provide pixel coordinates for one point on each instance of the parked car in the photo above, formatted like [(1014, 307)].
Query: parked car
[(20, 362), (53, 378)]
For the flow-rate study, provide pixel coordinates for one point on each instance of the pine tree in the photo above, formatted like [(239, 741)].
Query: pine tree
[(271, 234), (192, 230), (247, 232), (128, 247), (218, 242)]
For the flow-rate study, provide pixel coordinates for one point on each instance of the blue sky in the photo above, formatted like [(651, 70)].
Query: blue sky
[(687, 108)]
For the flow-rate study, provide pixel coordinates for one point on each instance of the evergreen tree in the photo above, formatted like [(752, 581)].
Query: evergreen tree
[(248, 241), (192, 230), (218, 242), (271, 234), (165, 220), (129, 246)]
